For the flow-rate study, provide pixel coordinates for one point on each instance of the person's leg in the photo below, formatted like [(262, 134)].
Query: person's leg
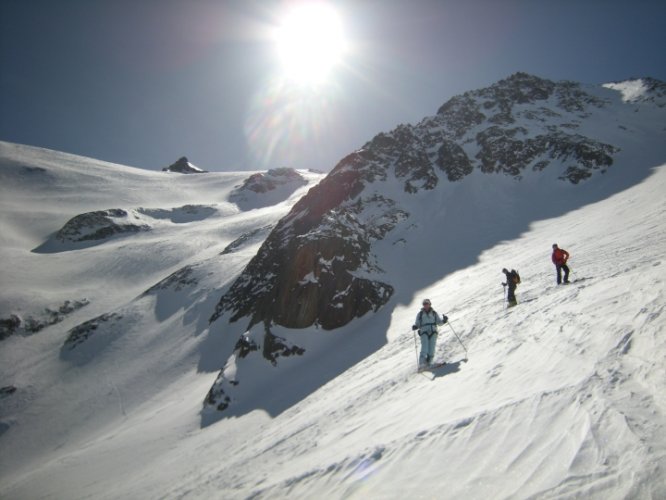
[(424, 349), (558, 268), (512, 297), (566, 273), (432, 343)]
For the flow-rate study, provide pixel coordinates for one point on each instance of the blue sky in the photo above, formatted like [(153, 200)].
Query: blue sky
[(144, 82)]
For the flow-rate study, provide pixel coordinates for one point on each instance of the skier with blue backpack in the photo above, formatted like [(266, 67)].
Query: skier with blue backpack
[(426, 324)]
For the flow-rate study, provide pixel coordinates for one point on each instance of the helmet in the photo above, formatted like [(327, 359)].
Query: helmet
[(426, 302)]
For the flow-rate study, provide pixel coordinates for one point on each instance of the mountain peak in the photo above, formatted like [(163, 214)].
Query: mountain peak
[(318, 266), (644, 89), (183, 166)]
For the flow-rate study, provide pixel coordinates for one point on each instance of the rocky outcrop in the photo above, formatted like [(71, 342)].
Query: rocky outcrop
[(7, 391), (81, 333), (99, 225), (246, 239), (272, 348), (267, 188), (33, 323), (183, 166), (264, 182), (304, 271)]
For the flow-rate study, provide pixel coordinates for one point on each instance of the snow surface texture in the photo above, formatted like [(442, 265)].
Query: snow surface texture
[(560, 397)]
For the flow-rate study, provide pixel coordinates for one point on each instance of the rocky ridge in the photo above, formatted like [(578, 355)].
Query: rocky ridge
[(306, 271), (183, 166), (317, 267)]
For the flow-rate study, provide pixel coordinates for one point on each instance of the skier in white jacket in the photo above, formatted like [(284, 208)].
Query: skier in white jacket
[(426, 323)]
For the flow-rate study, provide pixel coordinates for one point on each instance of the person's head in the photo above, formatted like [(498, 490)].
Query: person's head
[(554, 246), (426, 303)]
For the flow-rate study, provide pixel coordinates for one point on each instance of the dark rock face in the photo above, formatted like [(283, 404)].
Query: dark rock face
[(9, 326), (317, 266), (176, 281), (272, 348), (183, 166), (302, 274), (34, 323), (265, 182), (98, 225), (453, 160), (246, 239), (7, 391), (84, 331)]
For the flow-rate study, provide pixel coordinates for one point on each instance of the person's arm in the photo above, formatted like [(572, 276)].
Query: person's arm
[(416, 324), (565, 255)]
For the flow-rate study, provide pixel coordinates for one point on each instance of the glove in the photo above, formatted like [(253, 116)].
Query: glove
[(414, 328), (444, 319)]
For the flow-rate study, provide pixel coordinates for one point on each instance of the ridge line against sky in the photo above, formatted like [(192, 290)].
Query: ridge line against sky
[(143, 83)]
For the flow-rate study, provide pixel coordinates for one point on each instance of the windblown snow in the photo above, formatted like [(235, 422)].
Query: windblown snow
[(562, 396)]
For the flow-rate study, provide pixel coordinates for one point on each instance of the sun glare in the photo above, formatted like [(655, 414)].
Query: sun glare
[(310, 42)]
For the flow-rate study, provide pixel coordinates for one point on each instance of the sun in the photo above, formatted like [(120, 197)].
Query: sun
[(310, 42)]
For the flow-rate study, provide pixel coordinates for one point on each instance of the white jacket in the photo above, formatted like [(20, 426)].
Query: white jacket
[(427, 321)]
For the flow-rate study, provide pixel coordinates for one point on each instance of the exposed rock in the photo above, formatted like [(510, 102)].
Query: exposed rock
[(276, 347), (6, 391), (264, 182), (183, 166), (217, 398), (84, 331), (303, 273), (459, 114), (453, 160), (9, 326), (98, 225), (36, 322), (176, 281), (246, 239), (180, 215), (272, 349)]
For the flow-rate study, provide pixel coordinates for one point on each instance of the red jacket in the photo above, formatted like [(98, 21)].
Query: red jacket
[(560, 256)]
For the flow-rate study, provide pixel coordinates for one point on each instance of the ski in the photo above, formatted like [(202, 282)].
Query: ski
[(431, 367)]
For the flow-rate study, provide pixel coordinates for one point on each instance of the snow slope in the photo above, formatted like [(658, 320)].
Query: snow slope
[(560, 397), (132, 283)]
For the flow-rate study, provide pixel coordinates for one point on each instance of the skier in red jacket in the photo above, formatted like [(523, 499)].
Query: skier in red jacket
[(560, 257)]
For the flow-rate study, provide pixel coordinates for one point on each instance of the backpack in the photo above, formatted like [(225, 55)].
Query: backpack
[(515, 276), (421, 315)]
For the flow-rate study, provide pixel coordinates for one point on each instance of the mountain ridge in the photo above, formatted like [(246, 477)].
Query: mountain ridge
[(453, 142)]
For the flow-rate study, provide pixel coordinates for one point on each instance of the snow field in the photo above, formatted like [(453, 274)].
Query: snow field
[(560, 397)]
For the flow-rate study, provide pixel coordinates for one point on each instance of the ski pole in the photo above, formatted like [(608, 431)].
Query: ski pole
[(504, 299), (454, 332), (416, 350)]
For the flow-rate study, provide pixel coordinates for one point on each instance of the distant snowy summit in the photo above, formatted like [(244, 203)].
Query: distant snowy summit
[(264, 182), (267, 188), (641, 90), (183, 166)]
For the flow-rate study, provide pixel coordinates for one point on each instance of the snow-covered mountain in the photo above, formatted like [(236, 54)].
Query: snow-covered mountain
[(420, 202), (299, 313)]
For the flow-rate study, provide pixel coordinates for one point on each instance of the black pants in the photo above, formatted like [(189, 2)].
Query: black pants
[(511, 296), (559, 268)]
